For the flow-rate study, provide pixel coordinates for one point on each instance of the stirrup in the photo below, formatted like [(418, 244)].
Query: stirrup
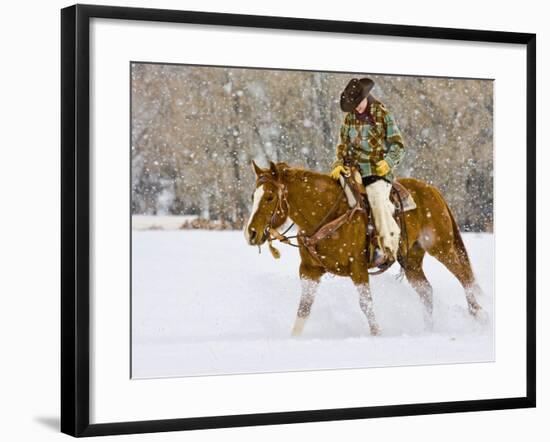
[(382, 260), (378, 257)]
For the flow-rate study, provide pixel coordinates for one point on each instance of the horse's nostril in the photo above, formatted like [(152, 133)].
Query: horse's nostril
[(252, 234)]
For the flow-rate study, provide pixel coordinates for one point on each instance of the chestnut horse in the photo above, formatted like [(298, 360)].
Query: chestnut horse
[(307, 197)]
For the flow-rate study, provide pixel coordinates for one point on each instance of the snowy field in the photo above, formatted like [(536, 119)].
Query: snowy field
[(156, 222), (204, 303)]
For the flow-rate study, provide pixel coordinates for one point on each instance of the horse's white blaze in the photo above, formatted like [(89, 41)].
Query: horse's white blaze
[(258, 194)]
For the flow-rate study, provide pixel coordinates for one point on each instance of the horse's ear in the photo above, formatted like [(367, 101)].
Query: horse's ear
[(273, 169), (283, 168), (257, 170)]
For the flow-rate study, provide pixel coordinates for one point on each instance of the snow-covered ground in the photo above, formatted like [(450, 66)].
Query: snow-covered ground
[(160, 222), (204, 302)]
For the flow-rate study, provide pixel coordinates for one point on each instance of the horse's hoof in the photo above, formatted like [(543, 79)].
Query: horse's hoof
[(480, 315), (298, 327), (375, 330)]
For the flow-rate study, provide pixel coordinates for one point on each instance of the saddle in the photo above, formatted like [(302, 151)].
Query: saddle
[(357, 193), (401, 197), (357, 197)]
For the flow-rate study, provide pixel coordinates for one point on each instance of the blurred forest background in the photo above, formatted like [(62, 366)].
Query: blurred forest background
[(196, 129)]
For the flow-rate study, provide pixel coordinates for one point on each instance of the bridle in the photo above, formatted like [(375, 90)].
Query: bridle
[(282, 202)]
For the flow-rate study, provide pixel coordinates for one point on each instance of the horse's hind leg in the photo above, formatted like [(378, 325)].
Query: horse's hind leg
[(459, 265), (310, 277), (416, 277)]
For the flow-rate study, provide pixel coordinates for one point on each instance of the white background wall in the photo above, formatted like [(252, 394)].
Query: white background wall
[(29, 220)]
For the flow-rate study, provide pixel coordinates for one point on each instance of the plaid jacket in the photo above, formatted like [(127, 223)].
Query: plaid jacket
[(365, 144)]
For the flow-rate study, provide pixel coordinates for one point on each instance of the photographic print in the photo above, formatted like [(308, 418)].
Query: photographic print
[(287, 220)]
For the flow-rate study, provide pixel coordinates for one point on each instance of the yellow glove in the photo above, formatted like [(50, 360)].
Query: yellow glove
[(335, 174), (382, 168)]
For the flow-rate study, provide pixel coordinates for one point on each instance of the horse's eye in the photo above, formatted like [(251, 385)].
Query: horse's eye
[(269, 198)]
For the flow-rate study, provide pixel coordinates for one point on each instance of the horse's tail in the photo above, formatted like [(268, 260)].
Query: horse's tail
[(458, 242)]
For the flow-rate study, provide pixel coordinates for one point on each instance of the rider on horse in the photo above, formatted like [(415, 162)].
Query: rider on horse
[(371, 142)]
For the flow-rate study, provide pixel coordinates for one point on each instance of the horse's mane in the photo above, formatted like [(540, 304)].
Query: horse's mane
[(297, 172)]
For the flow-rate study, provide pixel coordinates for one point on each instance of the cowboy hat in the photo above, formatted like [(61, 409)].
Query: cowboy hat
[(355, 91)]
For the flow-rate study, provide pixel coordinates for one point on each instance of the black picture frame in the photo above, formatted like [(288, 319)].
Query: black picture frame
[(75, 224)]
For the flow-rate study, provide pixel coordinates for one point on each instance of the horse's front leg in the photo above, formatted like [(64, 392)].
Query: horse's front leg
[(310, 277), (360, 278), (366, 304)]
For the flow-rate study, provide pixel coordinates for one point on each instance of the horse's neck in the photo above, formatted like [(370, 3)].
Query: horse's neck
[(311, 197)]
